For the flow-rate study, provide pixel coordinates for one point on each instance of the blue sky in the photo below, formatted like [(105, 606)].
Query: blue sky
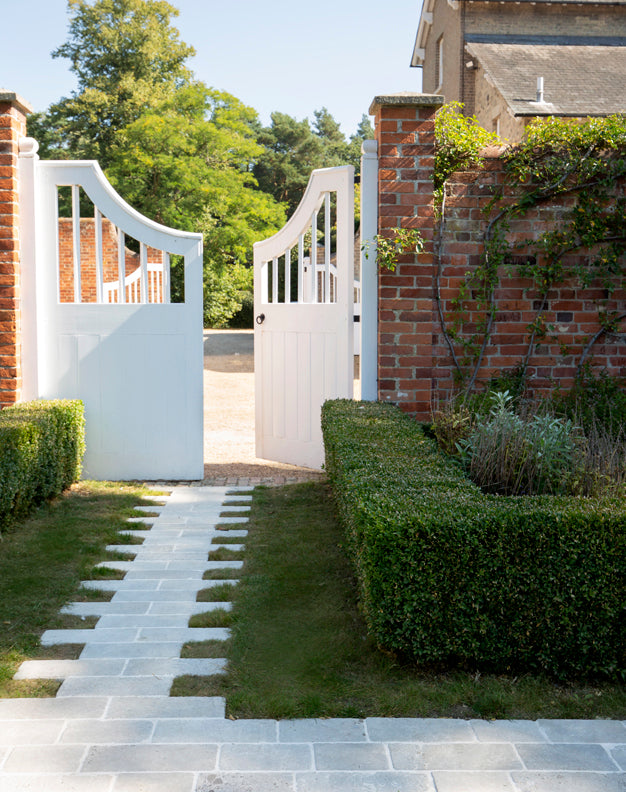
[(284, 55)]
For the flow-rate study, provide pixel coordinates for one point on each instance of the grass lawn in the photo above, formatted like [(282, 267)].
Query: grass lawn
[(299, 647), (42, 561)]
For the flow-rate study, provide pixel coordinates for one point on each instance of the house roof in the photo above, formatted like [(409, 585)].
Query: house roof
[(426, 18), (578, 80)]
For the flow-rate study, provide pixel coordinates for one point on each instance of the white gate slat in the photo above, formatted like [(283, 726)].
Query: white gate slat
[(326, 295), (99, 256), (166, 280), (76, 241), (304, 349), (301, 268), (143, 268), (313, 262), (121, 266), (288, 275)]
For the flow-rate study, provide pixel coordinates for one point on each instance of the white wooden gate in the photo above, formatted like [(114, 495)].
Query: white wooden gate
[(137, 366), (303, 306)]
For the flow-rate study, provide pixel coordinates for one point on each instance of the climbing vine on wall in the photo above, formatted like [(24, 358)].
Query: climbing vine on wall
[(577, 166)]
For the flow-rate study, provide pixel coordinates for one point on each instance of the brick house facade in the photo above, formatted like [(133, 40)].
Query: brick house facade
[(489, 55)]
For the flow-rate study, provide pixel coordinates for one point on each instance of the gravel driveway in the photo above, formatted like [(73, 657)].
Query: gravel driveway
[(229, 455)]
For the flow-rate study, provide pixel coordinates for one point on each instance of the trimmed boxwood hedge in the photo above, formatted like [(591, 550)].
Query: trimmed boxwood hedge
[(450, 576), (41, 450)]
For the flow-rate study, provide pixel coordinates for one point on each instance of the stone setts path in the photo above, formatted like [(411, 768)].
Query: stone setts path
[(114, 728)]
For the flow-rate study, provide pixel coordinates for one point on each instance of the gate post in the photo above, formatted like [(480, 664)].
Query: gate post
[(13, 112), (405, 131), (369, 276)]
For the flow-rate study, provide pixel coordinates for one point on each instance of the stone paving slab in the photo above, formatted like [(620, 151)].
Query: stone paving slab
[(173, 595), (363, 782), (322, 730), (149, 758), (454, 756), (511, 731), (122, 732), (565, 757), (120, 585), (44, 759), (52, 708), (24, 732), (115, 686), (59, 669), (124, 620), (212, 730), (178, 666), (265, 756), (419, 730), (56, 783), (155, 782), (52, 637), (246, 782), (129, 650), (184, 634), (105, 608), (352, 756), (583, 731), (568, 782), (188, 608), (455, 781), (154, 708)]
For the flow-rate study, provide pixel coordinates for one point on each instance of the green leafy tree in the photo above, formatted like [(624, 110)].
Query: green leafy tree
[(128, 59), (291, 152), (292, 149), (187, 165)]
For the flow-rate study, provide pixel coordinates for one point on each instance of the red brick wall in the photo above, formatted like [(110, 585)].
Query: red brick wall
[(12, 127), (571, 311), (88, 258), (405, 133), (414, 363)]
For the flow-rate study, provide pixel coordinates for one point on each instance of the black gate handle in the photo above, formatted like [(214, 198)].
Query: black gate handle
[(260, 319)]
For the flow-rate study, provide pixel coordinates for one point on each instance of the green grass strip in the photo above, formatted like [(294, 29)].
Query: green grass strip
[(42, 561), (299, 648)]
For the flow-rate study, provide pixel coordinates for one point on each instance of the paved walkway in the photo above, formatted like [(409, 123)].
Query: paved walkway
[(113, 727)]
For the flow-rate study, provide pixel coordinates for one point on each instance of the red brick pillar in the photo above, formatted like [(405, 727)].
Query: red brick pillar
[(13, 112), (405, 131)]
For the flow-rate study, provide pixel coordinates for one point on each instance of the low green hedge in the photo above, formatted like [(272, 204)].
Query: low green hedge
[(41, 449), (453, 577)]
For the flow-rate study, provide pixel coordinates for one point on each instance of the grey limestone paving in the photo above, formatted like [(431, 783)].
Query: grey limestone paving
[(114, 728)]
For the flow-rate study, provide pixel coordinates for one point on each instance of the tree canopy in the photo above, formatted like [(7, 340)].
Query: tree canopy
[(292, 149), (128, 59)]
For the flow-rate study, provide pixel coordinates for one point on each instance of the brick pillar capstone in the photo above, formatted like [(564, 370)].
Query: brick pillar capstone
[(13, 112), (405, 131)]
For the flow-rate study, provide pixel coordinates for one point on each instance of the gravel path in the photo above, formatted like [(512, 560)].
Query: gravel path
[(229, 454)]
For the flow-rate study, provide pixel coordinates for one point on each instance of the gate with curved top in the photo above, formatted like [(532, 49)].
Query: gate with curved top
[(304, 295), (101, 325)]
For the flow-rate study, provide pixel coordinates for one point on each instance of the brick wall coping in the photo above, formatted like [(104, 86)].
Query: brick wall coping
[(16, 99), (404, 98)]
